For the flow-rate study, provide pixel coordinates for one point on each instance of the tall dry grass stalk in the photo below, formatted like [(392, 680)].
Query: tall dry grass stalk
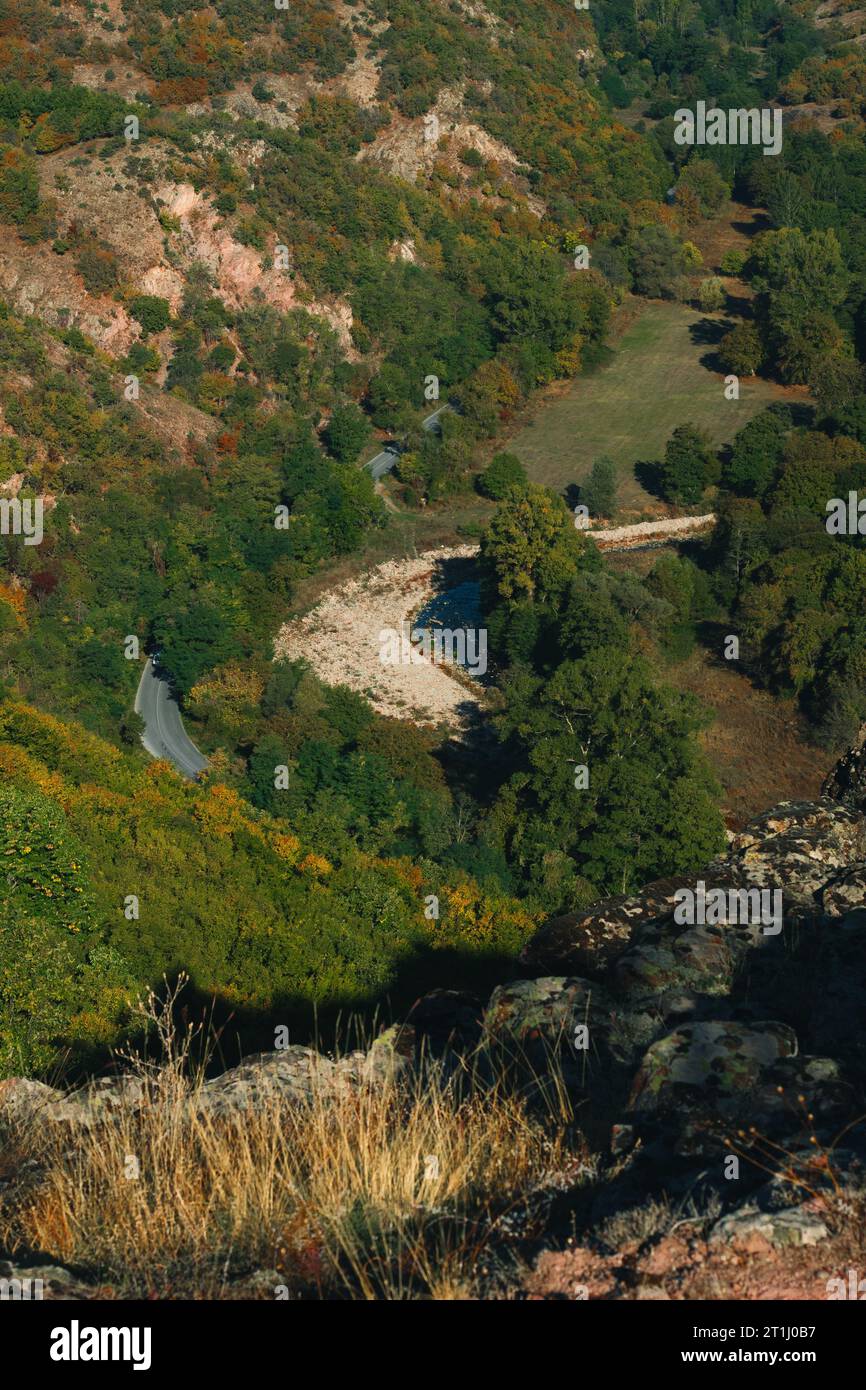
[(398, 1189)]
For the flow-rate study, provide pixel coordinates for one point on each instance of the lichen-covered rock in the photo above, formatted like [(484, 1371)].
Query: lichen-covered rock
[(22, 1099), (26, 1101), (587, 942), (391, 1054), (673, 958), (845, 892), (32, 1283), (298, 1074), (708, 1065), (787, 1226), (528, 1022), (797, 847), (547, 1008), (847, 781), (292, 1074)]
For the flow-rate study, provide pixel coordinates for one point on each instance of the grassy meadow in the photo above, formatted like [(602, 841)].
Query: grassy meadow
[(661, 375)]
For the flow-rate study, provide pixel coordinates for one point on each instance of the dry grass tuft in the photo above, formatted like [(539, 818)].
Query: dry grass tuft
[(398, 1189)]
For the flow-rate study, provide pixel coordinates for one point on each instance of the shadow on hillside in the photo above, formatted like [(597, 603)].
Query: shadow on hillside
[(739, 306), (759, 223), (228, 1032), (572, 495), (649, 474), (707, 331)]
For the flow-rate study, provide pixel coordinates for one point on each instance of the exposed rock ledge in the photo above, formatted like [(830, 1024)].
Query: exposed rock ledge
[(696, 1032)]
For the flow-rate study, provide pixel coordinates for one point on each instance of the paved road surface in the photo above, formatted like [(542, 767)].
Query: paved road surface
[(384, 462), (164, 735)]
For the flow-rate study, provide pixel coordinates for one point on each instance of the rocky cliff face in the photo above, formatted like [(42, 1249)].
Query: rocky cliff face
[(711, 1040)]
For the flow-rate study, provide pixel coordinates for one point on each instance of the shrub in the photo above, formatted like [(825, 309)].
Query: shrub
[(733, 261), (153, 313), (742, 350), (97, 268), (711, 294), (502, 474)]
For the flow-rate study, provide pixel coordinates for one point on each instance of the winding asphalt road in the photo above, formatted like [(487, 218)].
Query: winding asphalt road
[(164, 735), (384, 462)]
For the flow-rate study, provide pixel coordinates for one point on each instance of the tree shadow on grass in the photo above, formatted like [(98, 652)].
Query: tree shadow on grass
[(711, 633), (760, 223), (739, 306), (649, 473), (572, 495), (707, 332)]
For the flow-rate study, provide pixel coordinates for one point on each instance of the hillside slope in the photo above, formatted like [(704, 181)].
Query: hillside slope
[(659, 1078)]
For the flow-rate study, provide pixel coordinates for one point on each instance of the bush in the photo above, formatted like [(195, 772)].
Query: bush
[(153, 313), (97, 268), (711, 294), (504, 473), (690, 464), (742, 351), (733, 261), (141, 359)]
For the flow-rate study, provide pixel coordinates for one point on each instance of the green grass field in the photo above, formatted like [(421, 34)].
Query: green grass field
[(629, 408)]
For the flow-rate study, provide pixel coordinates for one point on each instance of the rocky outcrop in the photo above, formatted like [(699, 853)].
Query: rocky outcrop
[(294, 1074), (847, 781), (707, 1029)]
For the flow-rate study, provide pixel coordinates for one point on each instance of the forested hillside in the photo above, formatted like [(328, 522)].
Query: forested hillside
[(237, 245)]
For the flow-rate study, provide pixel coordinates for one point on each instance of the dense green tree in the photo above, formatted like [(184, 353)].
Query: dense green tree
[(703, 179), (598, 492), (742, 351), (800, 278), (531, 549), (649, 807), (504, 473), (690, 464), (755, 454), (347, 432)]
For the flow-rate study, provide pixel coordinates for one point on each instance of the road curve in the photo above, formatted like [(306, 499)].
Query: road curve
[(384, 462), (164, 735)]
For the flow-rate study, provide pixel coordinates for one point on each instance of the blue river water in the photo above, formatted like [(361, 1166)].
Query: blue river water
[(453, 608)]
